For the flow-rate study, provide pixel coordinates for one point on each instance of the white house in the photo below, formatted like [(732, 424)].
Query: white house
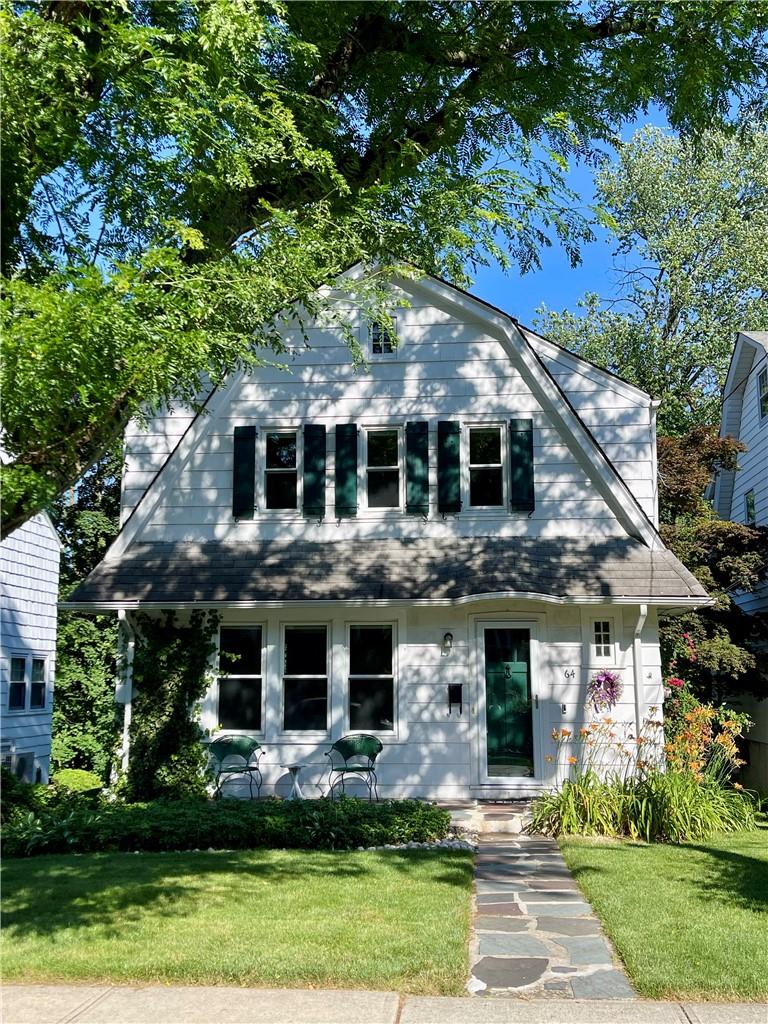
[(29, 581), (440, 548), (743, 496)]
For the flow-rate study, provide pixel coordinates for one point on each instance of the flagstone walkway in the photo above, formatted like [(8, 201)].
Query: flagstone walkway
[(534, 933)]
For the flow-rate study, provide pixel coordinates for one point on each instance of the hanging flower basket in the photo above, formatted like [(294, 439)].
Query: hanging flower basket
[(604, 690)]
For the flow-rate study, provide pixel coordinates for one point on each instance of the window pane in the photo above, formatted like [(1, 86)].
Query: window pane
[(371, 704), (240, 704), (762, 390), (17, 669), (38, 670), (240, 651), (370, 650), (380, 340), (281, 451), (17, 696), (485, 446), (37, 695), (305, 651), (306, 704), (749, 507), (382, 447), (383, 488), (281, 490), (485, 487)]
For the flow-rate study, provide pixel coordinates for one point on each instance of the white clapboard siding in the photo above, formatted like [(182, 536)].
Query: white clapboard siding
[(29, 573)]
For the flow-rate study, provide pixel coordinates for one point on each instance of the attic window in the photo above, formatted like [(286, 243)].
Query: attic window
[(762, 394), (382, 342), (603, 642)]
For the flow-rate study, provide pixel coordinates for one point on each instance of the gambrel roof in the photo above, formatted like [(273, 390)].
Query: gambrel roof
[(636, 568)]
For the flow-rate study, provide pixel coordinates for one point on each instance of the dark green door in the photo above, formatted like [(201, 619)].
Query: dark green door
[(508, 702)]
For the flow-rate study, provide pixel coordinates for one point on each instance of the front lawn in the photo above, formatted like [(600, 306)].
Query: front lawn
[(689, 922), (375, 919)]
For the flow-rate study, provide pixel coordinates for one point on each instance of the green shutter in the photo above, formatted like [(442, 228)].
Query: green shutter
[(244, 473), (417, 468), (521, 498), (346, 470), (314, 470), (449, 466)]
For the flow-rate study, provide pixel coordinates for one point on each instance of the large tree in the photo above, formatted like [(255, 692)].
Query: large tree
[(174, 173), (691, 267)]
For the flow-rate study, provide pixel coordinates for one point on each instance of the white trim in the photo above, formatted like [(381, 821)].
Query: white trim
[(637, 667), (261, 473), (306, 735), (393, 735), (363, 429), (423, 602), (479, 766)]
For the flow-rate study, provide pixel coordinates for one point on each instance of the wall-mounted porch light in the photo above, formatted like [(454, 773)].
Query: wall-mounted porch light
[(447, 643)]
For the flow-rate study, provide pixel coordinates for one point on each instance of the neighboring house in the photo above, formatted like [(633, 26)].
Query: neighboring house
[(743, 496), (29, 578), (440, 548)]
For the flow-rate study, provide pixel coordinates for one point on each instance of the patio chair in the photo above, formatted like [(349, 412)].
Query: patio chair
[(236, 755), (354, 755)]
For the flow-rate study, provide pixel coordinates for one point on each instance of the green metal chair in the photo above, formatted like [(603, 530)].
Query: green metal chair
[(354, 755), (236, 755)]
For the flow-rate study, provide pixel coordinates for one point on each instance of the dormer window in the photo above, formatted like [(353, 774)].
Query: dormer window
[(762, 394), (382, 341)]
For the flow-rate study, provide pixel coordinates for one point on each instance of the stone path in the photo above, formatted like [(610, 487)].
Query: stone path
[(534, 933)]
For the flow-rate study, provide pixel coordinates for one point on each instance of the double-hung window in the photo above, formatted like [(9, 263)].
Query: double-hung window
[(750, 508), (281, 474), (762, 394), (27, 684), (305, 679), (240, 680), (371, 679), (486, 467), (383, 468)]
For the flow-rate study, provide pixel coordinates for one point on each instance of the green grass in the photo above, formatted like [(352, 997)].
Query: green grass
[(375, 919), (688, 921)]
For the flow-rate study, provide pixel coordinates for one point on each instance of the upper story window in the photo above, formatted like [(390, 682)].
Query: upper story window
[(602, 643), (382, 468), (486, 467), (750, 511), (281, 470), (382, 342), (305, 679), (762, 394), (28, 684), (240, 689)]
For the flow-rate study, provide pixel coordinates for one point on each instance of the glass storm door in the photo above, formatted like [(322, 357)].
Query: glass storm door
[(508, 702)]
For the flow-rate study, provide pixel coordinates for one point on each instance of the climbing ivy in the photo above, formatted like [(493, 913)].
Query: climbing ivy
[(170, 675)]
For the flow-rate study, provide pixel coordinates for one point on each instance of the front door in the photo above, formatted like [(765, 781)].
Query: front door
[(509, 703)]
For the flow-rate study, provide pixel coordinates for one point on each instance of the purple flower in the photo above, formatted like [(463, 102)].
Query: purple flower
[(604, 690)]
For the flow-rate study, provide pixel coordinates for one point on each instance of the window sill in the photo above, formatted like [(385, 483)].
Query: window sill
[(27, 711)]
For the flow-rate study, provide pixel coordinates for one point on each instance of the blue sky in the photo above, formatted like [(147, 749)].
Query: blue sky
[(557, 285)]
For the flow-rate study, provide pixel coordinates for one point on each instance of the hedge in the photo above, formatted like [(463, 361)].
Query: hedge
[(226, 824)]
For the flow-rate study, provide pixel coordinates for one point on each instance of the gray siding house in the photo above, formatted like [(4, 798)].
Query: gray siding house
[(743, 496), (29, 581), (439, 548)]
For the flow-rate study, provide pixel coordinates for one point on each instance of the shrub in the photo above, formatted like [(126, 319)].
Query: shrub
[(77, 780), (226, 824)]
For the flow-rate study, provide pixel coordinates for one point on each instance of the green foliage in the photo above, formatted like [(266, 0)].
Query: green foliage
[(170, 677), (227, 824), (691, 230), (174, 174), (77, 781)]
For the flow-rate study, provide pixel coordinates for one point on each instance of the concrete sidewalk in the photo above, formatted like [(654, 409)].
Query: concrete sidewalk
[(94, 1004)]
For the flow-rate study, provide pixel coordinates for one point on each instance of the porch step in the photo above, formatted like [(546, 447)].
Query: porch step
[(507, 817)]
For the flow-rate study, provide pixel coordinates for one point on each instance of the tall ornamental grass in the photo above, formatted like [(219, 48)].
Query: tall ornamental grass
[(677, 789)]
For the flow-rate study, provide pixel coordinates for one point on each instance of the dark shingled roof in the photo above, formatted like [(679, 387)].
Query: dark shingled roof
[(371, 570)]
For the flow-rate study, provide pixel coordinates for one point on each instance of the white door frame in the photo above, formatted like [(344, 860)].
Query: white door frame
[(480, 776)]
